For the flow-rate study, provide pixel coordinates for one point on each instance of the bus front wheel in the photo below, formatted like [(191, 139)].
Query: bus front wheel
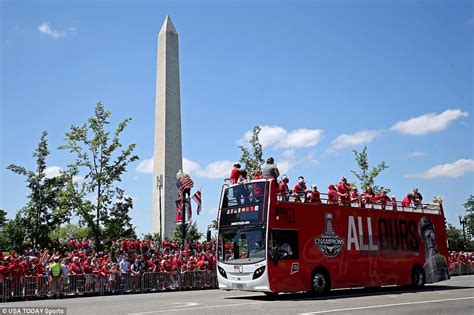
[(417, 277), (320, 282)]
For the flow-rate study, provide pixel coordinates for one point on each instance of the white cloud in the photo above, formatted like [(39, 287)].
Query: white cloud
[(145, 166), (301, 138), (278, 137), (190, 167), (289, 154), (358, 138), (214, 170), (428, 123), (452, 170), (52, 171), (285, 166), (417, 154), (46, 29)]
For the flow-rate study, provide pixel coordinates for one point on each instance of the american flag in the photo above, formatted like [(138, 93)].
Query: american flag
[(184, 183), (197, 198), (179, 210)]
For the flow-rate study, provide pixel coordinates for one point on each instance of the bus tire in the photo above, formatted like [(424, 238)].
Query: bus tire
[(271, 294), (320, 281), (417, 277)]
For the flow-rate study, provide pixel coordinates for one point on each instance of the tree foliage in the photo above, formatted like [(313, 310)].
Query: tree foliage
[(367, 175), (192, 232), (45, 209), (70, 231), (469, 217), (101, 155), (455, 238), (253, 158), (3, 218), (13, 236)]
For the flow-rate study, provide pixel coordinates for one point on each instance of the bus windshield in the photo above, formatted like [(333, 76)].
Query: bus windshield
[(242, 245), (243, 204)]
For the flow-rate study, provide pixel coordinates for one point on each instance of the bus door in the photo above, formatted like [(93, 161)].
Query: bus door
[(284, 265)]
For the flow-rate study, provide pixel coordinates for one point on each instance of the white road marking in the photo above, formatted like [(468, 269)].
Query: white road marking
[(386, 305), (184, 304), (194, 308)]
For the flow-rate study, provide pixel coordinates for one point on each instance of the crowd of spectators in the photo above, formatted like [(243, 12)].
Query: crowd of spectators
[(464, 258), (127, 256)]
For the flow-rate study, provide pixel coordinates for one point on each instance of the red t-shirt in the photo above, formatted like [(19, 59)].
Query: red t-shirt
[(332, 196), (234, 175), (406, 202), (315, 197), (282, 187)]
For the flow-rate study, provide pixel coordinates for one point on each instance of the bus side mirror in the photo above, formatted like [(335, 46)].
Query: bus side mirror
[(274, 255), (208, 235)]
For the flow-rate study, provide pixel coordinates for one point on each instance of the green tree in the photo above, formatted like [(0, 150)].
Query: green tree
[(253, 160), (192, 232), (469, 206), (104, 159), (455, 238), (70, 231), (14, 235), (118, 224), (365, 175), (3, 218), (43, 212)]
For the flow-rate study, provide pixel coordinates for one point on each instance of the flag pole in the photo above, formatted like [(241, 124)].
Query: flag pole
[(183, 226)]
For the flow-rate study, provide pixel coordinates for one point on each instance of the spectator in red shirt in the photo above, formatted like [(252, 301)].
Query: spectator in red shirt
[(332, 195), (343, 189), (382, 198), (407, 200), (369, 196), (283, 190), (235, 173), (300, 190), (315, 196)]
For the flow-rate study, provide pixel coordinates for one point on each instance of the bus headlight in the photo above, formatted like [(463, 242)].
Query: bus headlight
[(222, 272), (258, 272)]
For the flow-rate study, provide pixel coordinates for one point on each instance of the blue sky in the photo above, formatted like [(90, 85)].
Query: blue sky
[(322, 77)]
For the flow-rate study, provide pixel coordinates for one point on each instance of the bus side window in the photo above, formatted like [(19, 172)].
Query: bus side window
[(286, 243)]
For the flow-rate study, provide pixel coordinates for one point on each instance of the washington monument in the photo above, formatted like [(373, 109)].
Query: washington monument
[(167, 158)]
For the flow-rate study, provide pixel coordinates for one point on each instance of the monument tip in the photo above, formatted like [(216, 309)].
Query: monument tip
[(168, 26)]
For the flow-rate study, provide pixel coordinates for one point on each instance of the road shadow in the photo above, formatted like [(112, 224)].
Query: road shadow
[(346, 293)]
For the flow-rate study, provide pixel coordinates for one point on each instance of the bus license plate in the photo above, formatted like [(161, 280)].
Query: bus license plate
[(238, 286)]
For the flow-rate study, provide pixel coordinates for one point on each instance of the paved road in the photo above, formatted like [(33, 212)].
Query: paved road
[(455, 296)]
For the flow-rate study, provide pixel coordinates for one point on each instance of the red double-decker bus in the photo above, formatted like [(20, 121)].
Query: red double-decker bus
[(270, 243)]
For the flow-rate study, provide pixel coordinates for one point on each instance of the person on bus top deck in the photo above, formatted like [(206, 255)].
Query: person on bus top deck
[(243, 177), (417, 197), (283, 189), (368, 196), (332, 195), (394, 203), (299, 191), (235, 173), (354, 195), (270, 170), (343, 189), (315, 196), (382, 198), (258, 175), (407, 200)]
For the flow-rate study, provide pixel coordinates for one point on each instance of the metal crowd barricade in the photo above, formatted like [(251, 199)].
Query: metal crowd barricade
[(97, 284), (186, 280)]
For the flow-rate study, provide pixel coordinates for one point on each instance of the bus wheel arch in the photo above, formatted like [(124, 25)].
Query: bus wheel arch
[(418, 278), (320, 280)]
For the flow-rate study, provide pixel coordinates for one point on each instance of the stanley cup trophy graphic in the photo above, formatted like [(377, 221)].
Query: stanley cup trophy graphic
[(435, 267), (329, 243)]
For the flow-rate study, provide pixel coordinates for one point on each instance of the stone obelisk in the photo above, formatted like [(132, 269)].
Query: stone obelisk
[(167, 158)]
